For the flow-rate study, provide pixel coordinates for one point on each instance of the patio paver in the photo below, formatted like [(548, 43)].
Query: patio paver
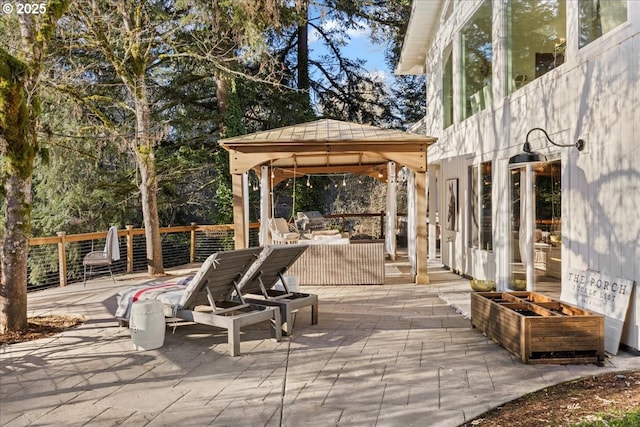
[(390, 355)]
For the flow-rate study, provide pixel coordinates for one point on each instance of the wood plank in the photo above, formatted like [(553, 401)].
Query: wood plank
[(550, 337)]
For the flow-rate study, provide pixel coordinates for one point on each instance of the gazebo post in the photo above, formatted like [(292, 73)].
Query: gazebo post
[(433, 203), (422, 278), (245, 206), (265, 202), (239, 217), (391, 214), (411, 219)]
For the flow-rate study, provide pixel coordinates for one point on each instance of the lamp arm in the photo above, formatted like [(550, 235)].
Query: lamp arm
[(527, 146)]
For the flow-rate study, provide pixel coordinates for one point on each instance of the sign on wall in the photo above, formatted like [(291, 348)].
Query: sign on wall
[(603, 294)]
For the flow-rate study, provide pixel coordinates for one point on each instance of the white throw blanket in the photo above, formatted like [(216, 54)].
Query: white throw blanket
[(115, 244), (166, 293)]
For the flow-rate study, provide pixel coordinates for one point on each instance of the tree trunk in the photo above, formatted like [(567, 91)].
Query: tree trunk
[(145, 158), (18, 145), (19, 115), (13, 291), (222, 95), (303, 51)]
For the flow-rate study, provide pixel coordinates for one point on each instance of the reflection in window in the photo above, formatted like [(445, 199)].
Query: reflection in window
[(536, 39), (486, 228), (548, 198), (597, 17), (474, 227), (477, 56), (447, 88), (480, 217)]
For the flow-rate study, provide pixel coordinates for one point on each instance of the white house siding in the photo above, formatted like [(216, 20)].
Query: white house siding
[(595, 96)]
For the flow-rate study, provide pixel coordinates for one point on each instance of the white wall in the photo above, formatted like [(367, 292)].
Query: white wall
[(595, 96)]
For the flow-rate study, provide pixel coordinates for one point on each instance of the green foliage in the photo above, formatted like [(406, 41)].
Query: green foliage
[(311, 193), (90, 181), (20, 149), (626, 419)]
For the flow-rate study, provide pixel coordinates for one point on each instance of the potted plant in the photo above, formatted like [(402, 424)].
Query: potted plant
[(483, 285)]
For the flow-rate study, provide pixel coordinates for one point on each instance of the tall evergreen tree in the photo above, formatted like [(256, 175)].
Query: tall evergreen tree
[(20, 111)]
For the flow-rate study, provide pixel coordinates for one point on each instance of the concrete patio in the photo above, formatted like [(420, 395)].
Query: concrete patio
[(390, 355)]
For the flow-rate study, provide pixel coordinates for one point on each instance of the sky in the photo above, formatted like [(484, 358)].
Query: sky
[(358, 47)]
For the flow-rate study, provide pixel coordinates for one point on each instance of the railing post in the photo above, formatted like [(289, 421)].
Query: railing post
[(62, 259), (192, 247), (343, 223), (129, 248)]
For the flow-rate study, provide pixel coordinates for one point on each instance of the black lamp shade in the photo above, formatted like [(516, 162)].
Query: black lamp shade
[(527, 158)]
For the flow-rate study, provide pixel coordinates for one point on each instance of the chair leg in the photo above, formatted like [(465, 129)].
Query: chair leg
[(112, 278), (85, 276), (314, 313), (233, 333)]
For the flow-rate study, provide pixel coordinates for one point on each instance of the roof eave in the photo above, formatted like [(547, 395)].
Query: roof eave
[(420, 31)]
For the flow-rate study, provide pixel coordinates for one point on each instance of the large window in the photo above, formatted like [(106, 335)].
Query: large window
[(536, 39), (480, 209), (597, 17), (477, 57), (447, 88)]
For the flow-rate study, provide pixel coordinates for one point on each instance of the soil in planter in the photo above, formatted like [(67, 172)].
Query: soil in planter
[(526, 312), (497, 299)]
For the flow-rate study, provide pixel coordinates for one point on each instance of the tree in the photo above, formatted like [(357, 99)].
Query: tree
[(123, 34), (19, 125)]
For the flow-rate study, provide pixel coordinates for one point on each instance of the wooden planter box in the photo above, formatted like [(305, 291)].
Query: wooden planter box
[(539, 329)]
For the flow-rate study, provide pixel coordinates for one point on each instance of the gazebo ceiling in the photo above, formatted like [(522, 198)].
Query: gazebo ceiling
[(327, 146)]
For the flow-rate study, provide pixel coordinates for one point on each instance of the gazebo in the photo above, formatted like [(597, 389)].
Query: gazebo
[(332, 147)]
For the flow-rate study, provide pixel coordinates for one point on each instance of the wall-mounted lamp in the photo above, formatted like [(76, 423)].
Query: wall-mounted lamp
[(529, 156)]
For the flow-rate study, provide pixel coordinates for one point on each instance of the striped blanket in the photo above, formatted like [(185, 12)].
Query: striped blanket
[(167, 293)]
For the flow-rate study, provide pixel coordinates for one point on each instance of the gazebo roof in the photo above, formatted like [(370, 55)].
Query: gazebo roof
[(327, 146)]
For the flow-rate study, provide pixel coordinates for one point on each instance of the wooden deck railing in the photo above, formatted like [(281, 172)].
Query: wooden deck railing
[(57, 260)]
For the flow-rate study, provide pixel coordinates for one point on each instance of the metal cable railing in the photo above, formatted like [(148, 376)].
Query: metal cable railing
[(45, 260), (57, 261)]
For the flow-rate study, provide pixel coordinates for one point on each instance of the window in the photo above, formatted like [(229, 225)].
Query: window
[(486, 216), (597, 17), (480, 207), (447, 88), (536, 39), (477, 57)]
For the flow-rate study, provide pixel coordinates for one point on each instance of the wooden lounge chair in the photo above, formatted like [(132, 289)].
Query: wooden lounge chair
[(265, 273), (207, 298)]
